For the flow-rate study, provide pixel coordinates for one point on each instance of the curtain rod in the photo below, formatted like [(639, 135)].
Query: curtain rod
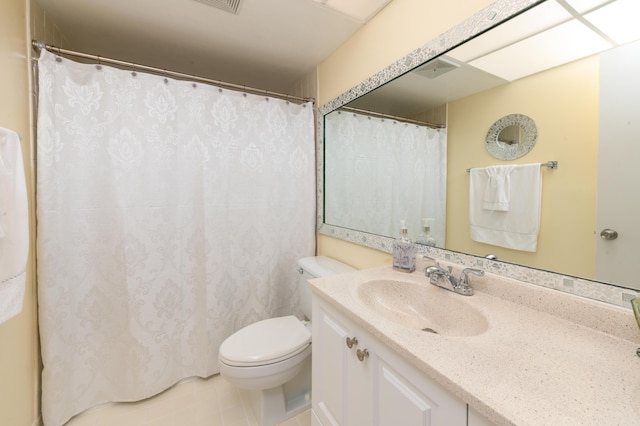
[(39, 45), (392, 117)]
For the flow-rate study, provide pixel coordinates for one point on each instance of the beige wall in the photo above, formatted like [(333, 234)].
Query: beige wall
[(20, 21), (43, 28), (564, 104), (400, 28), (19, 364)]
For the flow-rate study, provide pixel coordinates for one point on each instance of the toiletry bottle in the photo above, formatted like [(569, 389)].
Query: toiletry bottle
[(404, 251), (425, 237)]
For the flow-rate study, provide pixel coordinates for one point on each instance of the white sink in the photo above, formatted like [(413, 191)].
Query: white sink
[(422, 306)]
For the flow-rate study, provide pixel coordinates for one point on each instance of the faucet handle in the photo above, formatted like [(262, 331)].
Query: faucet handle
[(464, 278), (430, 269)]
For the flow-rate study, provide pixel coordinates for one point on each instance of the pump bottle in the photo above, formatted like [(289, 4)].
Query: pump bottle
[(404, 251), (425, 237)]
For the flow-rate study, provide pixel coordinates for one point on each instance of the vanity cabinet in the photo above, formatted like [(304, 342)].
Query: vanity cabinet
[(368, 384), (342, 383)]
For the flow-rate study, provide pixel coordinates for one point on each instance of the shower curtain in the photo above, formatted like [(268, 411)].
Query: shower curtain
[(170, 214), (381, 171)]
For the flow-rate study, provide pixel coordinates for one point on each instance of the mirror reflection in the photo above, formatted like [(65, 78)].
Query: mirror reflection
[(511, 137), (561, 71), (379, 171)]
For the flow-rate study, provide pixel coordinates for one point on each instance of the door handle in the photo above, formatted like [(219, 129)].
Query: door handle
[(609, 234)]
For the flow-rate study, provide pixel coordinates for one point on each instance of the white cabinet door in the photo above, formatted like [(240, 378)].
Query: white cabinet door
[(399, 402), (404, 395), (378, 388), (477, 419), (329, 368), (342, 390), (360, 381)]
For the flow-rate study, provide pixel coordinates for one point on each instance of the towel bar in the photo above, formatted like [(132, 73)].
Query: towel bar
[(551, 165)]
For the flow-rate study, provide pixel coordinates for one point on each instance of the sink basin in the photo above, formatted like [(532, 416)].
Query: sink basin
[(422, 307)]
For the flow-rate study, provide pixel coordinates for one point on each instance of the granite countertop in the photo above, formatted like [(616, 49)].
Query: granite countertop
[(544, 357)]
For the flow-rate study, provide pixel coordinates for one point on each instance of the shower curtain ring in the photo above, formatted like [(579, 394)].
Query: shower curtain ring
[(58, 56)]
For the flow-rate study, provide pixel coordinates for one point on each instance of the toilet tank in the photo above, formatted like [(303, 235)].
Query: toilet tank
[(316, 267)]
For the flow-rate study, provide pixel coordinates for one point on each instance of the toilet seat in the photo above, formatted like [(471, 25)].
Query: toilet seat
[(265, 342)]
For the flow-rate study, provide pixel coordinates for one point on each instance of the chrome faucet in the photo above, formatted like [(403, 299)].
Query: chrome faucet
[(437, 276)]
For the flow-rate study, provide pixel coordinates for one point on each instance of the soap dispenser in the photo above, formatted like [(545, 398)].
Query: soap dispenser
[(404, 251), (425, 237)]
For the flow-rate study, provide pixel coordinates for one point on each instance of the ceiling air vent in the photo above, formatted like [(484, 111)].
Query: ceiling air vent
[(226, 5), (436, 67)]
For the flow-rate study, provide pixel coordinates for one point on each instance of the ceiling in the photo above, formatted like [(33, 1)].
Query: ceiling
[(551, 34), (268, 45)]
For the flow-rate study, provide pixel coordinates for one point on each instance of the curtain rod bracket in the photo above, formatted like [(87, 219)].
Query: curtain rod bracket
[(38, 45)]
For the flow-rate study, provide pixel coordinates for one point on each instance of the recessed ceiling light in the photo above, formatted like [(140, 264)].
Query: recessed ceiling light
[(360, 10)]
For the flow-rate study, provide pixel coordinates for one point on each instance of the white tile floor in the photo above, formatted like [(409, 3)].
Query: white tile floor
[(195, 402)]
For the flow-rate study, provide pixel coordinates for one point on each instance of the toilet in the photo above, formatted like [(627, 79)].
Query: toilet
[(272, 358)]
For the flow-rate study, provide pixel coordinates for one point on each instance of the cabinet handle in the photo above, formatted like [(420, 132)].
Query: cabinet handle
[(351, 342), (362, 354)]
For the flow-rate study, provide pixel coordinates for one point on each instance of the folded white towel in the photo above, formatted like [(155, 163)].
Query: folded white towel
[(14, 224), (516, 228), (498, 189), (6, 183)]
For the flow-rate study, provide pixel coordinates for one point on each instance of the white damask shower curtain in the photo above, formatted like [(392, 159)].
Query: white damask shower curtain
[(381, 171), (170, 214)]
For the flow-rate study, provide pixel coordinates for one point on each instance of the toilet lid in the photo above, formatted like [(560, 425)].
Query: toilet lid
[(265, 342)]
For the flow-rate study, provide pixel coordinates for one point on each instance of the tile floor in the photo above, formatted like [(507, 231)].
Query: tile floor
[(194, 402)]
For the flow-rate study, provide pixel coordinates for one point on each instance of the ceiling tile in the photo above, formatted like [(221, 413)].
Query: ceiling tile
[(535, 20), (618, 20), (560, 45)]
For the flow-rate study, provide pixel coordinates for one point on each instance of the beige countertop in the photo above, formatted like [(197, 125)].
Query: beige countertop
[(545, 358)]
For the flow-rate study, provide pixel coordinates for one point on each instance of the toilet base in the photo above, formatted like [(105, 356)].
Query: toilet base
[(275, 405)]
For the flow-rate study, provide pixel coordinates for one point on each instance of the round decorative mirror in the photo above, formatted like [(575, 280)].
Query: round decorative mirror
[(511, 137)]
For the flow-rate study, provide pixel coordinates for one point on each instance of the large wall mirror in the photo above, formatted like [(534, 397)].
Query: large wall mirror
[(400, 150)]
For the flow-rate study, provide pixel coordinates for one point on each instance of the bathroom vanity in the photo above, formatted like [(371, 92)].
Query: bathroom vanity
[(389, 348), (359, 379)]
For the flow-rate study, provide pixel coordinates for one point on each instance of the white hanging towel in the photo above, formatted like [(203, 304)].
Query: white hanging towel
[(497, 192), (516, 228), (14, 225)]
